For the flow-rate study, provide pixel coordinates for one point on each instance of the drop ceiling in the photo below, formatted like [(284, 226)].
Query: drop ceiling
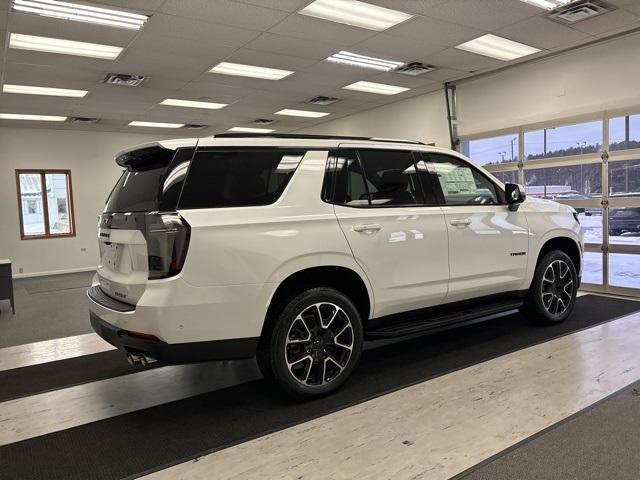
[(184, 39)]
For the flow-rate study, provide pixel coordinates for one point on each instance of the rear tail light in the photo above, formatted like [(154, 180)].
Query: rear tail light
[(167, 237)]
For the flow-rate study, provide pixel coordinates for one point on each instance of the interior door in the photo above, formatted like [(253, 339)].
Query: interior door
[(399, 242), (488, 243)]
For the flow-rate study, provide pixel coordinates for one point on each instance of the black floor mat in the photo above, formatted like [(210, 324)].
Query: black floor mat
[(26, 381), (159, 436)]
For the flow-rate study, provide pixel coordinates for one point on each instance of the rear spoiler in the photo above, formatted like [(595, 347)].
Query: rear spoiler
[(151, 155)]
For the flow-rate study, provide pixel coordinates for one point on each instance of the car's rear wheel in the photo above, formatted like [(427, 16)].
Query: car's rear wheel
[(313, 344), (553, 291)]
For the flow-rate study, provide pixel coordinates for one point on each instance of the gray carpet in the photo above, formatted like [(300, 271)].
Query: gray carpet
[(57, 283), (59, 309), (600, 443)]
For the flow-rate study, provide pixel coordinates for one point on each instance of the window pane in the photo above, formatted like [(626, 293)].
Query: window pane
[(624, 270), (591, 224), (460, 184), (58, 203), (391, 177), (624, 225), (624, 178), (570, 183), (624, 132), (238, 179), (492, 150), (509, 176), (563, 141), (350, 187), (32, 204), (592, 271)]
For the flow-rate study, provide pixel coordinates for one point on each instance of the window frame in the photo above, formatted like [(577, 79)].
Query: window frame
[(45, 203)]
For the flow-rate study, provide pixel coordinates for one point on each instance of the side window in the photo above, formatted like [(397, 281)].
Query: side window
[(227, 178), (461, 184), (350, 188), (391, 177)]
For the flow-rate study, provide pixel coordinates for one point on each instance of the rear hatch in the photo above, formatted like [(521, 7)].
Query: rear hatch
[(140, 235)]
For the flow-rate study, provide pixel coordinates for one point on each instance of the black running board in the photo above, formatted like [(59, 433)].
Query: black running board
[(440, 320)]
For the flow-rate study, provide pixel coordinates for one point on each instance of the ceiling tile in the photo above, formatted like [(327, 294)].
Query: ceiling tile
[(52, 76), (541, 33), (297, 47), (226, 12), (148, 63), (207, 88), (284, 5), (482, 14), (434, 31), (133, 5), (632, 6), (344, 73), (443, 74), (461, 60), (407, 81), (302, 26), (57, 60), (266, 59), (395, 48), (182, 46), (609, 21), (203, 32)]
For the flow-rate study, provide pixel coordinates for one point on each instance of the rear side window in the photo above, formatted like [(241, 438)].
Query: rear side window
[(377, 178), (230, 178)]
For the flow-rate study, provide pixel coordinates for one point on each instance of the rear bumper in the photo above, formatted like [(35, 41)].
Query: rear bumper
[(177, 352)]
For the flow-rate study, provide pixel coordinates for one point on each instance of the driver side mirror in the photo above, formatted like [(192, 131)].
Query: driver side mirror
[(515, 195)]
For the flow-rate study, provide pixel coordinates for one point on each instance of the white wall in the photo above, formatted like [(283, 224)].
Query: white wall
[(419, 118), (592, 79), (90, 157)]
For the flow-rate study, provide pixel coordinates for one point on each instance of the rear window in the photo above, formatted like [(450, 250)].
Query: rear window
[(153, 182), (229, 178)]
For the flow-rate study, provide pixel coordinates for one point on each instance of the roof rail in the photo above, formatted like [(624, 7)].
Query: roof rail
[(312, 137)]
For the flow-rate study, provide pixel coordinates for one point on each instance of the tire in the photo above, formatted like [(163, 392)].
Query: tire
[(313, 345), (615, 232), (552, 294)]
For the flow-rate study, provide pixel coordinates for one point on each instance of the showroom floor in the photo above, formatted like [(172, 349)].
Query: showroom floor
[(497, 400)]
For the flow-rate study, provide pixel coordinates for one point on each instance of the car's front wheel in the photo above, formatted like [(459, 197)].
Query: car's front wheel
[(313, 345), (553, 291)]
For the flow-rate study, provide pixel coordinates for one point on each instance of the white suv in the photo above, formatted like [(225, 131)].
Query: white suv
[(297, 248)]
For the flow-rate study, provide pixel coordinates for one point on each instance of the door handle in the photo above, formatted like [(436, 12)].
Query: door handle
[(367, 227), (460, 222)]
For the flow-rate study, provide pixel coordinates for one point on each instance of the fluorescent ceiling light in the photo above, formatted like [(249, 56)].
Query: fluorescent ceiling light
[(356, 60), (497, 47), (66, 47), (55, 92), (358, 14), (301, 113), (155, 124), (40, 118), (251, 130), (81, 13), (549, 4), (174, 102), (240, 70), (379, 88)]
